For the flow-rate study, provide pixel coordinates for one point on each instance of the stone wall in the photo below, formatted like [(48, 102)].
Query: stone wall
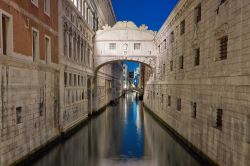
[(28, 108), (206, 103)]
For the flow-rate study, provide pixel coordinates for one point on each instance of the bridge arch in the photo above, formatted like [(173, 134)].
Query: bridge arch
[(125, 41)]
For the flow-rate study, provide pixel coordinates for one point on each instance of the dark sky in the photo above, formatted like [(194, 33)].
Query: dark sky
[(153, 13)]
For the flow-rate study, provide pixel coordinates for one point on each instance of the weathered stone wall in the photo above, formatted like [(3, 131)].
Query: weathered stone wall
[(28, 108), (213, 84)]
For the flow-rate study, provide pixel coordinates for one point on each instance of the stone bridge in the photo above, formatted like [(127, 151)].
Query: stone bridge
[(125, 41)]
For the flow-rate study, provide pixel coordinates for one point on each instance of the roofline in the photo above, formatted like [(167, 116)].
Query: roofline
[(112, 10)]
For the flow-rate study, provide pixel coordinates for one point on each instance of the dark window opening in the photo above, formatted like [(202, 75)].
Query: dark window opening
[(222, 1), (197, 57), (194, 110), (19, 115), (219, 119), (169, 100), (75, 80), (70, 79), (178, 104), (182, 27), (171, 65), (223, 47), (41, 108), (198, 13), (181, 62), (5, 33), (65, 78)]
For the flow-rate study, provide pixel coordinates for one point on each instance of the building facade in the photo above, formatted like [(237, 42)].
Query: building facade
[(29, 78), (202, 82), (48, 82)]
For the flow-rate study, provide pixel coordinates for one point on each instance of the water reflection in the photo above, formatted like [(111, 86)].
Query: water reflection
[(123, 135)]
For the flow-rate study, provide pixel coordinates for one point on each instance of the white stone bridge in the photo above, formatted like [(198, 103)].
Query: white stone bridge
[(125, 41)]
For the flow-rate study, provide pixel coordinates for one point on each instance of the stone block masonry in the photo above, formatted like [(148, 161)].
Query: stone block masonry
[(202, 84), (28, 109)]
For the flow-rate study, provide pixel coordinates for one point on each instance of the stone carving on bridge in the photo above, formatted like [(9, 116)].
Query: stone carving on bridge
[(125, 41)]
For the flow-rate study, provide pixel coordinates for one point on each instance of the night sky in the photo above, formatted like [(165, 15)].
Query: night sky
[(153, 13)]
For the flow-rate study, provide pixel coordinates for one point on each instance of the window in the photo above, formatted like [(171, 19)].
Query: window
[(222, 1), (165, 43), (178, 104), (75, 80), (159, 48), (181, 62), (6, 34), (198, 13), (35, 45), (112, 46), (197, 57), (182, 27), (162, 98), (219, 119), (171, 65), (47, 50), (41, 109), (194, 109), (223, 47), (65, 79), (83, 95), (19, 115), (79, 80), (169, 100), (35, 2), (137, 46), (172, 37), (164, 68), (47, 7), (70, 79)]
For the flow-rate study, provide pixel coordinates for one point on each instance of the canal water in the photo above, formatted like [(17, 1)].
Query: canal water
[(123, 135)]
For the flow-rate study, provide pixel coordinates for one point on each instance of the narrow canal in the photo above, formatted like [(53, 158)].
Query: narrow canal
[(123, 135)]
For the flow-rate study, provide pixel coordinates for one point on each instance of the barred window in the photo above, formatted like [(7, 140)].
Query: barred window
[(197, 57), (137, 46), (182, 27), (219, 119), (112, 46), (178, 104), (223, 47)]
